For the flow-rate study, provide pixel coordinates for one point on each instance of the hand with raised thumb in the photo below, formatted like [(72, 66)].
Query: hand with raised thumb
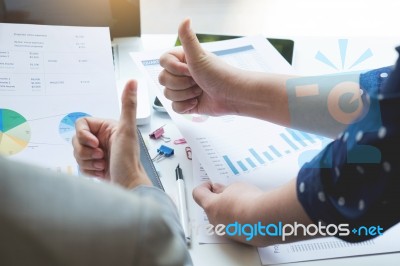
[(197, 81), (109, 149)]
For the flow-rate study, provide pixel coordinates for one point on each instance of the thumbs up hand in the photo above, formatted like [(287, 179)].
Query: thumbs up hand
[(110, 150), (195, 80)]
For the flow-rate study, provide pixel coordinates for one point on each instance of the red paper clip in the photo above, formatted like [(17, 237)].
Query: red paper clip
[(180, 141)]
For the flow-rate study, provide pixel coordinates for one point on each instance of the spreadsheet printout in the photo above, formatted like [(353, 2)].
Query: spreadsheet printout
[(50, 76)]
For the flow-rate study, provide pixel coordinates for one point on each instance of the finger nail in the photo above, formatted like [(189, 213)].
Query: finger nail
[(99, 174), (97, 155), (98, 165), (198, 91), (193, 101)]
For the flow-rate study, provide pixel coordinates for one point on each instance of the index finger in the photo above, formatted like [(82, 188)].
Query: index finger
[(86, 128), (174, 62), (203, 194)]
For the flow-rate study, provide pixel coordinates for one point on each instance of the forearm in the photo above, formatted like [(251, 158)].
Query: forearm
[(260, 95), (322, 104), (274, 207)]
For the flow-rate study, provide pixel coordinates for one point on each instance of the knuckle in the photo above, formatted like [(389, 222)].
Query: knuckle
[(80, 163), (193, 93), (195, 194), (79, 121), (86, 172), (76, 155), (164, 59), (79, 135), (74, 142), (176, 107), (208, 208), (167, 93), (129, 104), (182, 68), (77, 152), (190, 82), (162, 78)]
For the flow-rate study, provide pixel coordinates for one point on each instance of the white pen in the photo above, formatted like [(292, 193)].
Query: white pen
[(183, 212)]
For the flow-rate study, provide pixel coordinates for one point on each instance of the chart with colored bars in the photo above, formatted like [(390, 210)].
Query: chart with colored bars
[(15, 132), (295, 142), (67, 125)]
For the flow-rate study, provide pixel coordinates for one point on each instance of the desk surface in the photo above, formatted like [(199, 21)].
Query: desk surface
[(226, 254), (216, 254), (273, 18)]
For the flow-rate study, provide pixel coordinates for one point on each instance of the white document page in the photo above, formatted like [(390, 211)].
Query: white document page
[(234, 148), (200, 176), (49, 77), (330, 247), (316, 249)]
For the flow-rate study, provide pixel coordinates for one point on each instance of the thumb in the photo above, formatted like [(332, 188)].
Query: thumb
[(129, 104), (218, 188), (191, 45)]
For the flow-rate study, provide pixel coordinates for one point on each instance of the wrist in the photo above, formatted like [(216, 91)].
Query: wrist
[(246, 92), (140, 178), (262, 96), (139, 181), (135, 177), (237, 91)]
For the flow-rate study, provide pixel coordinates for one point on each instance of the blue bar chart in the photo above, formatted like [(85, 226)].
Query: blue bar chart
[(250, 162), (256, 156), (291, 142), (241, 165), (230, 164)]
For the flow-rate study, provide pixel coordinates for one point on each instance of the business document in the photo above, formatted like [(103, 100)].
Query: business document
[(50, 76), (231, 148)]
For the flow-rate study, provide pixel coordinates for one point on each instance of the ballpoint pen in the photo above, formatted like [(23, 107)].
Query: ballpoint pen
[(183, 212)]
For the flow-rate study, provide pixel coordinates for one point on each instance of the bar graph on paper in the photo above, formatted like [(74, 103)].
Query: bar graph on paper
[(296, 142), (298, 145)]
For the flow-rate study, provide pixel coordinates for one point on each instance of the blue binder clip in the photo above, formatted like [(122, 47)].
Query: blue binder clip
[(163, 152)]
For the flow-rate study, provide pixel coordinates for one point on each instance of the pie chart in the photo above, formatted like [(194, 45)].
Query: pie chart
[(15, 132), (67, 125)]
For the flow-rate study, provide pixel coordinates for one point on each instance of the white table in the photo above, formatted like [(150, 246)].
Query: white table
[(215, 254), (272, 18)]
